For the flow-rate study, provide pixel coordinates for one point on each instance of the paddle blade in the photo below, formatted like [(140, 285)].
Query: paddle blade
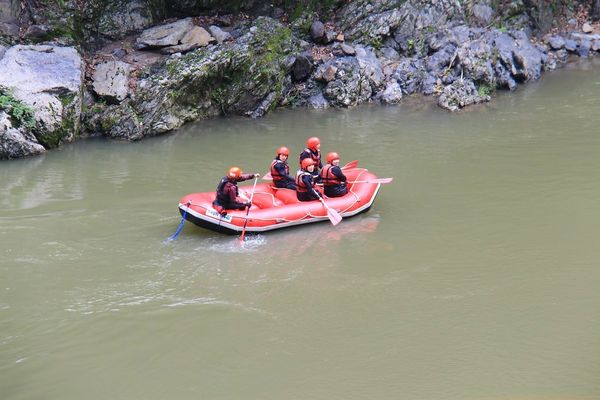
[(334, 216), (267, 177), (351, 164), (384, 180), (378, 180)]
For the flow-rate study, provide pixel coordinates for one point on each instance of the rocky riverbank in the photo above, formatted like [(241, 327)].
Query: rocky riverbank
[(126, 73)]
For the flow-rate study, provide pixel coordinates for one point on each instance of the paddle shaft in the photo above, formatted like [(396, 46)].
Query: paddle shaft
[(248, 210)]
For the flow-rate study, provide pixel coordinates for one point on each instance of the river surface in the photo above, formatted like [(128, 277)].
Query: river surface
[(475, 275)]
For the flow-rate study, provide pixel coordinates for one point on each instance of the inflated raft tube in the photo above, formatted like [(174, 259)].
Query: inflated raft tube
[(274, 208)]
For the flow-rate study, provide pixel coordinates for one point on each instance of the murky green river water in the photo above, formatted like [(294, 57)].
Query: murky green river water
[(475, 275)]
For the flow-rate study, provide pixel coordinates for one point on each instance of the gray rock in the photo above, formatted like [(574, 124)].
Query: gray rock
[(37, 32), (9, 29), (2, 51), (121, 122), (370, 67), (584, 36), (119, 53), (329, 37), (302, 67), (460, 94), (366, 21), (390, 54), (392, 93), (224, 80), (570, 45), (164, 35), (348, 50), (587, 28), (521, 58), (440, 59), (16, 143), (111, 80), (583, 50), (317, 101), (556, 42), (351, 86), (437, 41), (410, 75), (193, 39), (55, 93), (459, 35), (475, 58), (429, 84), (121, 17), (220, 35), (317, 31), (595, 47), (504, 79), (482, 14)]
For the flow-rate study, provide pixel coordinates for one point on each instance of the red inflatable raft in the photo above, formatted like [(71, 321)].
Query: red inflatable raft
[(274, 208)]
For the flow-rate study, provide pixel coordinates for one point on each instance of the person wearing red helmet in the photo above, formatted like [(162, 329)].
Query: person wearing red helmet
[(334, 180), (280, 170), (313, 151), (305, 181), (226, 197)]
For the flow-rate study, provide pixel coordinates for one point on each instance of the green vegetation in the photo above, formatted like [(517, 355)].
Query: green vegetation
[(484, 90), (21, 115)]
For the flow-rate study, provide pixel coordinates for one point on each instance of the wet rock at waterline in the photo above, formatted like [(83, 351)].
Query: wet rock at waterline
[(49, 79), (17, 142)]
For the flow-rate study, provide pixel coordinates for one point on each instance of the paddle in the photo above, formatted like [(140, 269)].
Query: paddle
[(180, 227), (248, 210), (333, 215), (351, 164), (376, 180)]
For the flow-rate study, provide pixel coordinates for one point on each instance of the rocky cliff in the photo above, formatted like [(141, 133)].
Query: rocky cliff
[(130, 69)]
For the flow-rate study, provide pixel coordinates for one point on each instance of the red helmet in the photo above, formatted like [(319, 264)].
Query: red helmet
[(307, 162), (332, 156), (313, 142), (234, 172), (283, 151)]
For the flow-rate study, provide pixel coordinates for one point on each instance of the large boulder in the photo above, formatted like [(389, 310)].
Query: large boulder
[(111, 80), (194, 38), (120, 17), (55, 93), (459, 94), (16, 142), (519, 56), (349, 84), (245, 77), (371, 21), (164, 35)]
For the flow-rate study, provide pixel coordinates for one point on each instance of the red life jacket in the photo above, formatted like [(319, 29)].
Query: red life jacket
[(300, 186), (275, 174), (222, 195), (328, 178), (315, 157)]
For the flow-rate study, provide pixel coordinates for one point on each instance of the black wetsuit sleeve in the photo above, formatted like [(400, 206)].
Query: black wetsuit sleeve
[(308, 181), (337, 171), (280, 167)]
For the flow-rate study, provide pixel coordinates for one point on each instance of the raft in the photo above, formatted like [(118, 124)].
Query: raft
[(274, 208)]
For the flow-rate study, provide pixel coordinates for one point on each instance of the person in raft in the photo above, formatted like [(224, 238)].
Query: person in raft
[(305, 181), (227, 191), (334, 180), (280, 170), (313, 151)]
